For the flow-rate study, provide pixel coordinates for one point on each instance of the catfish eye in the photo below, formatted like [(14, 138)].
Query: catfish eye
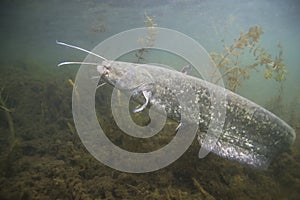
[(107, 67), (103, 70)]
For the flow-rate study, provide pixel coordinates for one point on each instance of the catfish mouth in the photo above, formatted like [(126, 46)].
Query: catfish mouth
[(106, 75), (103, 70)]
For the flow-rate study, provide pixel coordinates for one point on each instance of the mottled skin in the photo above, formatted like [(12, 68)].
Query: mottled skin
[(250, 134)]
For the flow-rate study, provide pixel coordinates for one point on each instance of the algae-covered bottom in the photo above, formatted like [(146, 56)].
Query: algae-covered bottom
[(42, 156)]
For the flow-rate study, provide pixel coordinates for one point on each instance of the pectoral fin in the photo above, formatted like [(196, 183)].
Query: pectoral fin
[(147, 95)]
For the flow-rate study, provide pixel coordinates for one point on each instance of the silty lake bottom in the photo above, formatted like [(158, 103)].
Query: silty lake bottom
[(41, 154)]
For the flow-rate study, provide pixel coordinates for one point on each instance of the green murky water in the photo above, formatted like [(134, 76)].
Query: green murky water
[(41, 154)]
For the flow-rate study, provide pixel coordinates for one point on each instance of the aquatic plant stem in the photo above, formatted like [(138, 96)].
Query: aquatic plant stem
[(204, 193), (227, 72), (12, 139)]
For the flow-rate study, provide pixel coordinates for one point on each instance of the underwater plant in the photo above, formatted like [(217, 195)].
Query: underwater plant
[(71, 82), (148, 40), (12, 140), (4, 107), (234, 72)]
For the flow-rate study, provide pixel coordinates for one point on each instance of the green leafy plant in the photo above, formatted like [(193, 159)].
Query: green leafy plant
[(230, 64)]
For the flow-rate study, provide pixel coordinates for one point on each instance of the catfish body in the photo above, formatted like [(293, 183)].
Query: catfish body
[(249, 133)]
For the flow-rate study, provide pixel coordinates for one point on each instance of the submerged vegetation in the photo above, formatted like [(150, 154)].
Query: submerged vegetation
[(148, 40), (233, 69), (12, 140)]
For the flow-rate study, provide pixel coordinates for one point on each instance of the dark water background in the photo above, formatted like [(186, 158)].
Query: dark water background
[(44, 157)]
